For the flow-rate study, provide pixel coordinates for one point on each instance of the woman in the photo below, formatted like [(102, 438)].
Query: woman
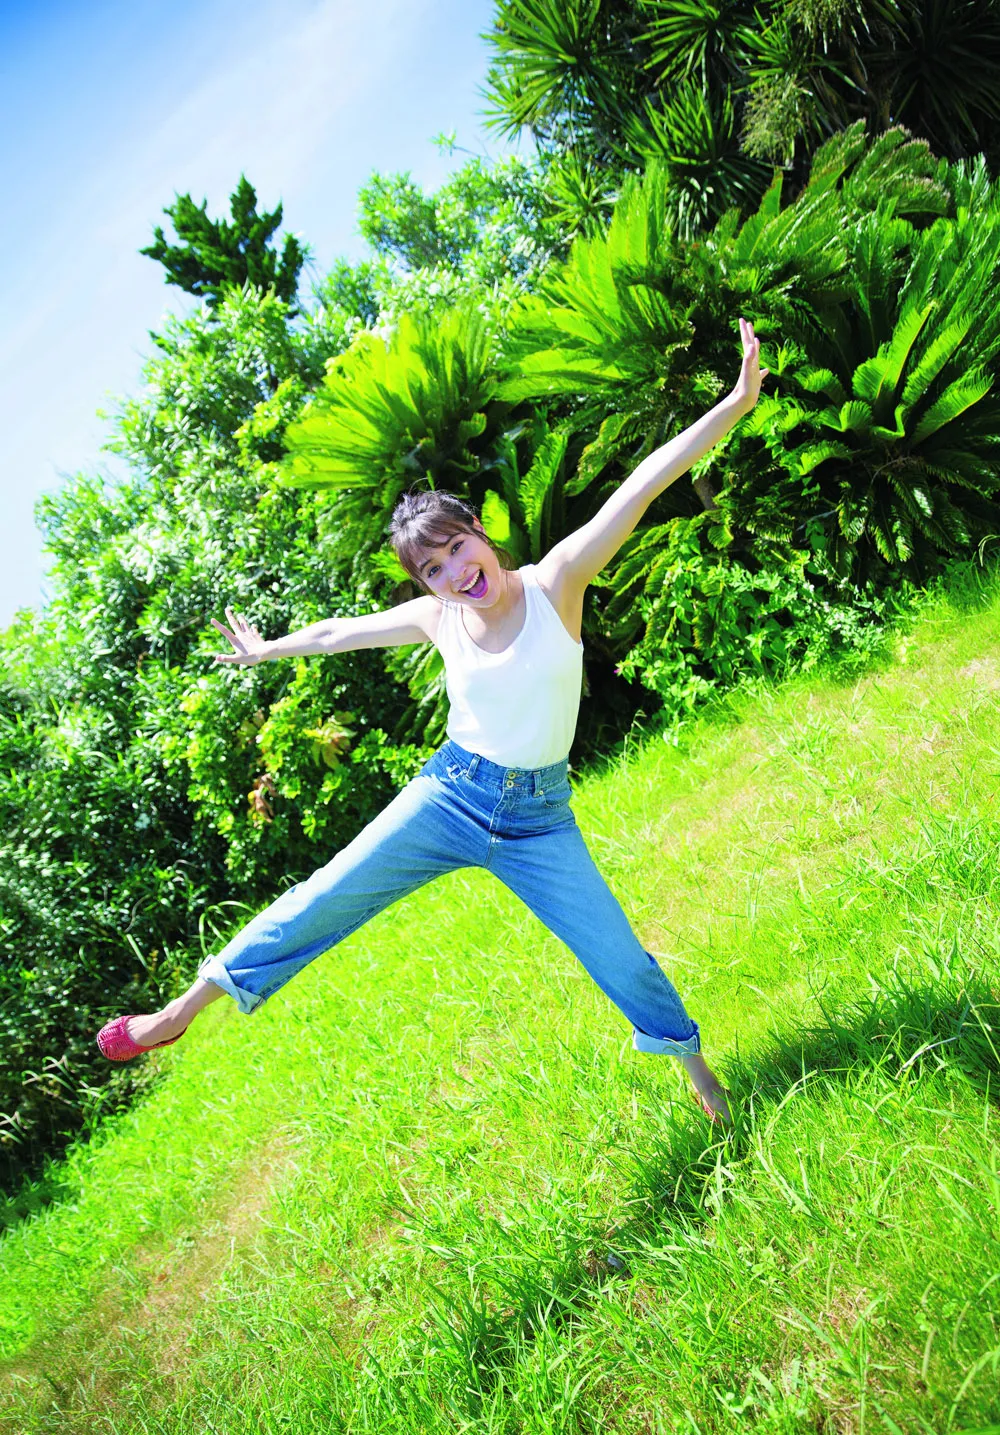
[(496, 795)]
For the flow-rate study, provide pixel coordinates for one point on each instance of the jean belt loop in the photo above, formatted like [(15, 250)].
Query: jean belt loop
[(539, 786), (473, 765)]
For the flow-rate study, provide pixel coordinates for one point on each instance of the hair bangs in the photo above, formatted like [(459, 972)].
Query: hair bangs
[(422, 532)]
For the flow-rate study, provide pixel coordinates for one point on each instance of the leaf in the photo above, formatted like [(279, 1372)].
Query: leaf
[(386, 563), (812, 455), (536, 487), (495, 518), (939, 352), (821, 381), (963, 394), (855, 417), (411, 402), (598, 454), (881, 374)]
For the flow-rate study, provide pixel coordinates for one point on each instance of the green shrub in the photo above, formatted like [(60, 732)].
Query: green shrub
[(885, 428), (711, 618)]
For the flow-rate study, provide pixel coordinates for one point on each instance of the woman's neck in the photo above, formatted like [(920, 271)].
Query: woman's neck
[(494, 628)]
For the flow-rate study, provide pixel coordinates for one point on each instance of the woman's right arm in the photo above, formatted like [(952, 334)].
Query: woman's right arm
[(413, 622)]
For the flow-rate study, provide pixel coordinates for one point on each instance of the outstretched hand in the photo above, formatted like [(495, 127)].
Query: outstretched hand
[(249, 647), (747, 389)]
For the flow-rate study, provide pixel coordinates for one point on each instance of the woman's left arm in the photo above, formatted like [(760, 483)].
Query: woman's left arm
[(576, 561)]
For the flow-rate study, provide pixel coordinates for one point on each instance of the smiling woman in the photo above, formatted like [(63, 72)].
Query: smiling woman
[(497, 795)]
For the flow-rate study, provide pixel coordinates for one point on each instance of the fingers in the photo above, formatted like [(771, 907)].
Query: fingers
[(241, 634), (223, 629), (240, 624), (241, 628)]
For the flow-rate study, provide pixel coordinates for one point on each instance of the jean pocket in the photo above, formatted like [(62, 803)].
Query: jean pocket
[(557, 796)]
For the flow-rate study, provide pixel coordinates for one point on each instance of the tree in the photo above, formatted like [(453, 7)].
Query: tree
[(484, 236), (717, 90), (147, 787), (214, 254)]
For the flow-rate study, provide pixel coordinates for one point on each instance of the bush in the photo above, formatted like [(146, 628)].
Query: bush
[(713, 618)]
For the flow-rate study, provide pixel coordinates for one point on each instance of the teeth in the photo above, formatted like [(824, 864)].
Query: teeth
[(471, 583)]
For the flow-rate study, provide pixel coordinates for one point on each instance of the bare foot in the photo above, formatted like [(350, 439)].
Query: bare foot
[(709, 1090)]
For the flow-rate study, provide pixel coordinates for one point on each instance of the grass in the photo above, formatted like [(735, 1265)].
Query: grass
[(429, 1187)]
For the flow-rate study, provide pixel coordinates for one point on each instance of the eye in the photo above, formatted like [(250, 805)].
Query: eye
[(456, 546), (432, 570)]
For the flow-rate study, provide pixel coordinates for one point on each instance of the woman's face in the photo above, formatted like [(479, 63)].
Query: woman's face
[(463, 569)]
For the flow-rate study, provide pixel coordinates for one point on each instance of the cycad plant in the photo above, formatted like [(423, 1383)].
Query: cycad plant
[(883, 441), (636, 332), (396, 410), (524, 510)]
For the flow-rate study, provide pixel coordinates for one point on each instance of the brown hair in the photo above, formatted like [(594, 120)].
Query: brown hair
[(428, 519)]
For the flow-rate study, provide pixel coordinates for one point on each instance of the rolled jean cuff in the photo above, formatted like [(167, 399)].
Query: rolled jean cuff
[(665, 1045), (212, 970)]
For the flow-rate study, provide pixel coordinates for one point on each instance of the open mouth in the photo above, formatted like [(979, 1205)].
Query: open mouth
[(476, 589)]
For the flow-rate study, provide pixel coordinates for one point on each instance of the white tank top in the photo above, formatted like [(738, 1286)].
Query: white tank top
[(517, 708)]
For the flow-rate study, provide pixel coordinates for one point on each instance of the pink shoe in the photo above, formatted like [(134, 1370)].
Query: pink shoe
[(114, 1042)]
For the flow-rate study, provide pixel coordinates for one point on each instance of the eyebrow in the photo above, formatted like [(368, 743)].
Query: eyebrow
[(444, 544)]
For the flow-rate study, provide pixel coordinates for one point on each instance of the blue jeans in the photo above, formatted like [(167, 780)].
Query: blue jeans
[(463, 811)]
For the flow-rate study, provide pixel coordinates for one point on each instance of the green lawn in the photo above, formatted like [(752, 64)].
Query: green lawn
[(430, 1187)]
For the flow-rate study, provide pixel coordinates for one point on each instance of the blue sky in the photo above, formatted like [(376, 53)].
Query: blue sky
[(110, 107)]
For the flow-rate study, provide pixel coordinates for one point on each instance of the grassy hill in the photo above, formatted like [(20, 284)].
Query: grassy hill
[(430, 1187)]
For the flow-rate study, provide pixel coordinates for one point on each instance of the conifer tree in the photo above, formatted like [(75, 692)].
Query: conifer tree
[(214, 254)]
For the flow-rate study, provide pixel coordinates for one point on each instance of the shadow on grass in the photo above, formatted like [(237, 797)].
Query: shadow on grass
[(901, 1029), (47, 1178)]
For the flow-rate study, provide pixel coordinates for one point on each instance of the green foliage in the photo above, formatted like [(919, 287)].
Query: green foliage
[(526, 515), (931, 65), (712, 618), (602, 320), (695, 136), (482, 238), (707, 40), (394, 410), (888, 420), (214, 255), (555, 64), (883, 434), (712, 87), (578, 196)]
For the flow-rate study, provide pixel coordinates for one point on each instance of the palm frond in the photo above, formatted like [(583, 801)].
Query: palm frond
[(403, 408), (959, 396)]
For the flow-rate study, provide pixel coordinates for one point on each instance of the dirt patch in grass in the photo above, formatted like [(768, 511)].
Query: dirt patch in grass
[(85, 1366), (984, 672), (179, 1283)]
